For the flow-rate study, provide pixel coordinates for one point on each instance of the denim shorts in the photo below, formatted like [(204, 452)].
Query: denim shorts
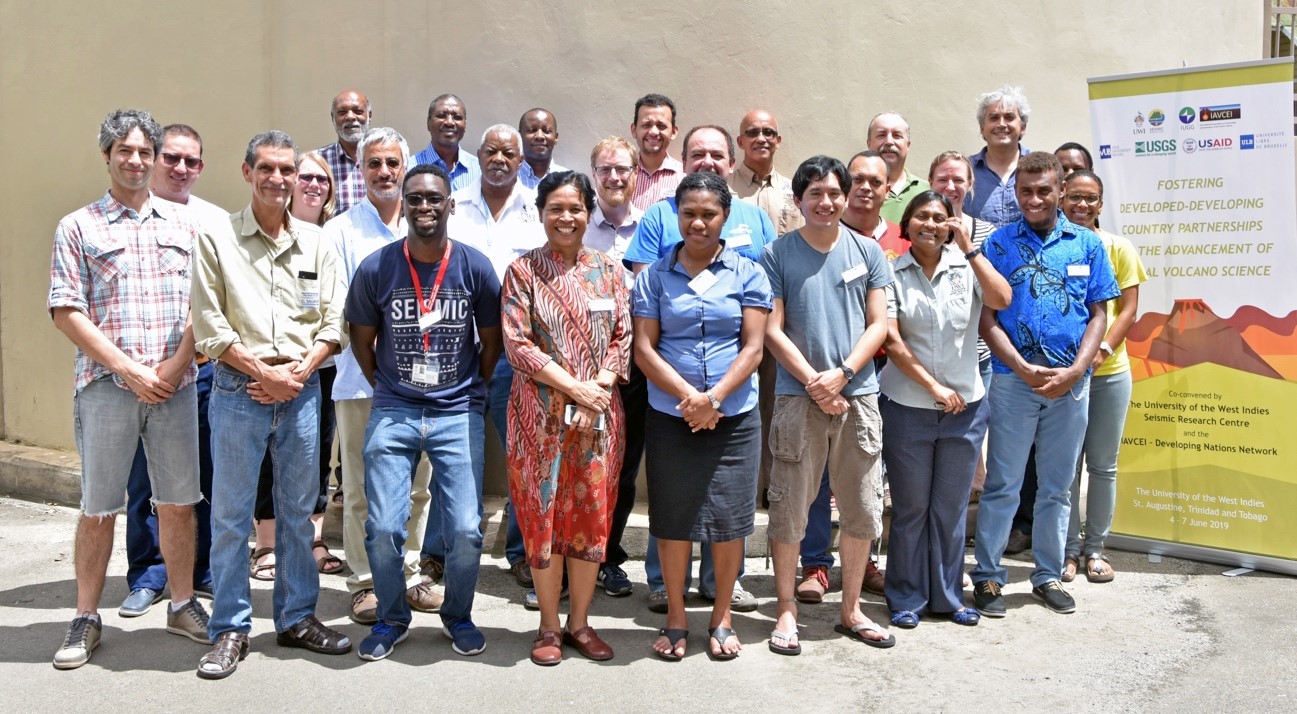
[(109, 422)]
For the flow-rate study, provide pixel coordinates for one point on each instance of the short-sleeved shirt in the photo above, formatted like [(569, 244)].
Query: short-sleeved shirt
[(888, 236), (824, 298), (746, 232), (466, 172), (700, 332), (992, 199), (502, 240), (900, 195), (382, 295), (653, 187), (527, 176), (355, 235), (130, 274), (1054, 282), (772, 194), (1129, 270), (608, 239), (937, 319), (348, 179)]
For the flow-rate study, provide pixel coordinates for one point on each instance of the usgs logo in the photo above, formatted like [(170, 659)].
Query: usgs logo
[(1155, 147)]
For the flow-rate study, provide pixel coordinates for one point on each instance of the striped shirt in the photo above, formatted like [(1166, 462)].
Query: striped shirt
[(130, 274), (467, 170), (653, 187), (348, 180)]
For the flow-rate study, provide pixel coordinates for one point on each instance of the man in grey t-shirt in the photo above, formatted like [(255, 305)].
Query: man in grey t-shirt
[(828, 321)]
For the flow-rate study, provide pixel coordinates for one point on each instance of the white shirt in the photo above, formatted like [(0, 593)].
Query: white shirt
[(354, 235), (205, 213), (517, 231)]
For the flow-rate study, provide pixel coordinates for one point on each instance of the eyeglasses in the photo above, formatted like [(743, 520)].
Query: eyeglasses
[(377, 163), (606, 171), (313, 178), (1090, 198), (191, 162), (415, 200), (767, 132)]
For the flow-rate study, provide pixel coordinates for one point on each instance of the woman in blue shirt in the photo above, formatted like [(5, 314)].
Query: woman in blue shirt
[(700, 314), (933, 416)]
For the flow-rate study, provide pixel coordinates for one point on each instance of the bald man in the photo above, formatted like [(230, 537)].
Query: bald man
[(539, 131), (350, 113), (755, 180)]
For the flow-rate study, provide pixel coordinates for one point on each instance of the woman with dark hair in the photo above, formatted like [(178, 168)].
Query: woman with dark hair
[(933, 419), (1110, 388), (566, 323), (700, 316)]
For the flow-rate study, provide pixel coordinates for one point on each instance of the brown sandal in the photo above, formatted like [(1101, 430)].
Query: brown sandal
[(329, 564), (1070, 566), (258, 570), (230, 649), (311, 634)]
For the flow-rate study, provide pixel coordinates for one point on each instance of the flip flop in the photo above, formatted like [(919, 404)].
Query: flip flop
[(258, 570), (1070, 566), (791, 650), (721, 634), (855, 634), (1095, 575), (674, 637)]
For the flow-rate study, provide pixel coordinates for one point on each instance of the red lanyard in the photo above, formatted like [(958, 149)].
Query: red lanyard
[(436, 286)]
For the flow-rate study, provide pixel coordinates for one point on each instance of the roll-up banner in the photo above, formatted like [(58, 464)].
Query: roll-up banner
[(1198, 171)]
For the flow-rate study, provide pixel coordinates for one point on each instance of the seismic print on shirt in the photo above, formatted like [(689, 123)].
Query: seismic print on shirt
[(446, 339)]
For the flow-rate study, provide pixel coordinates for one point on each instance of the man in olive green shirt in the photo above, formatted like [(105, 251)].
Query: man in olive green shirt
[(267, 303), (889, 135)]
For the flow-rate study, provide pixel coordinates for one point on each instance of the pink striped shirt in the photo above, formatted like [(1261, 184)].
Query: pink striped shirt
[(653, 187)]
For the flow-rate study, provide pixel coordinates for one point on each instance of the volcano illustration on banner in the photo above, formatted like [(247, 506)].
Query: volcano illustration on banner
[(1250, 341)]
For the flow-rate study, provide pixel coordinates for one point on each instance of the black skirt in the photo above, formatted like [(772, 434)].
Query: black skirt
[(702, 486)]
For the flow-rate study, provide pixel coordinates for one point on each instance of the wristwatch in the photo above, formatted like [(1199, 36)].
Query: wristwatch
[(1106, 348), (847, 372), (716, 403), (972, 253)]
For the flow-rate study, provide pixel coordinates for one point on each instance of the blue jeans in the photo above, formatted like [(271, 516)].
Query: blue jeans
[(497, 408), (1109, 400), (818, 542), (145, 567), (1019, 418), (454, 442), (242, 430)]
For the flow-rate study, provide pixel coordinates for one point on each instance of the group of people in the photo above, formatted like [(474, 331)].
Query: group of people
[(755, 338)]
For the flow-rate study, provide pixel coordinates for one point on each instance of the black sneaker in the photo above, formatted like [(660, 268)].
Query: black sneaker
[(987, 599), (614, 581), (1054, 597)]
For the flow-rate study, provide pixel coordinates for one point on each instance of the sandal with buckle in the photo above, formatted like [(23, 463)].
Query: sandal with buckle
[(309, 633), (229, 650)]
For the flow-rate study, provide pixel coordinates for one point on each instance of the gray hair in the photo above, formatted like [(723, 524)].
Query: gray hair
[(870, 129), (503, 129), (119, 124), (1008, 94), (383, 135), (275, 139)]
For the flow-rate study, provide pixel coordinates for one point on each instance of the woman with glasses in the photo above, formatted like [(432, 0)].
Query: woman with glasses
[(1110, 388)]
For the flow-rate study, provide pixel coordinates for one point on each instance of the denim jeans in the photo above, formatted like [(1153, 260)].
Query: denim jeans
[(1019, 418), (265, 483), (497, 408), (145, 568), (817, 544), (242, 430), (1109, 400), (454, 443)]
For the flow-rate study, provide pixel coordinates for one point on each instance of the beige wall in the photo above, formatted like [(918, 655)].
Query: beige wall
[(235, 67)]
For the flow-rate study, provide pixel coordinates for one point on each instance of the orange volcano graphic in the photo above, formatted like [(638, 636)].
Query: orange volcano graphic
[(1250, 341)]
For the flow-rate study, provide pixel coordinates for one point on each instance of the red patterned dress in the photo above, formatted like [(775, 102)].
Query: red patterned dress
[(564, 482)]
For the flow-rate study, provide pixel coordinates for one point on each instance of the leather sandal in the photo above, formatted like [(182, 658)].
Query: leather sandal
[(547, 649), (329, 564), (593, 648), (229, 650), (309, 633), (1070, 565), (721, 635), (258, 570), (1097, 569)]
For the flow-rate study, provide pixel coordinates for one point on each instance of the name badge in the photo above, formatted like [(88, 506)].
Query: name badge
[(424, 373), (310, 299), (703, 282), (740, 237), (428, 319), (854, 272), (1078, 271), (603, 305)]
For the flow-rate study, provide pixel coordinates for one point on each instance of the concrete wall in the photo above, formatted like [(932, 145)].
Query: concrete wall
[(239, 66)]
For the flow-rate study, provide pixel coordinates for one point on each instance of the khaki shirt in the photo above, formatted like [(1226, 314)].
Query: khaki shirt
[(773, 194), (276, 298)]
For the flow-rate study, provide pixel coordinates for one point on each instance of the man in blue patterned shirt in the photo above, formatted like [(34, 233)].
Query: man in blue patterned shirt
[(1043, 344)]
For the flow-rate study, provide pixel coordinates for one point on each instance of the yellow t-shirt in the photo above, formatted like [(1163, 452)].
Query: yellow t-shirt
[(1130, 272)]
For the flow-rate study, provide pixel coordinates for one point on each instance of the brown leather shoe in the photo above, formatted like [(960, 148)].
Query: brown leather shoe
[(311, 634), (522, 573), (547, 649), (593, 646), (874, 578), (815, 582), (364, 607), (431, 571), (423, 598)]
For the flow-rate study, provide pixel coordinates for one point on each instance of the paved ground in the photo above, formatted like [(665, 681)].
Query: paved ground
[(1175, 635)]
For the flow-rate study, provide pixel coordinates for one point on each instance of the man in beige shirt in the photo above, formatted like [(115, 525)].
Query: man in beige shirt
[(755, 180), (267, 303)]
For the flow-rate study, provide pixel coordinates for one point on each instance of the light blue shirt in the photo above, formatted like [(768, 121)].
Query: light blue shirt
[(700, 333), (467, 170), (529, 177), (746, 232), (354, 235), (991, 199)]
